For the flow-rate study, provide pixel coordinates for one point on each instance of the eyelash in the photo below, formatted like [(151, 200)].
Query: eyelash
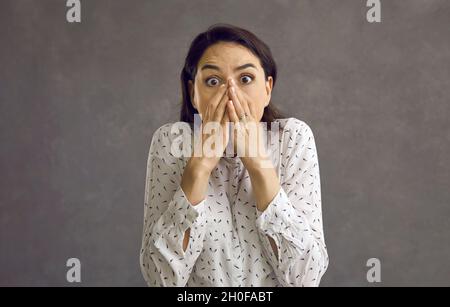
[(245, 75)]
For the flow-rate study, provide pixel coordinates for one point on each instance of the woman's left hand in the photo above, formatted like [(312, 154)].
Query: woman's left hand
[(249, 141)]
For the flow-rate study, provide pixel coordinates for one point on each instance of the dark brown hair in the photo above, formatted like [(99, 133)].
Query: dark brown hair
[(225, 33)]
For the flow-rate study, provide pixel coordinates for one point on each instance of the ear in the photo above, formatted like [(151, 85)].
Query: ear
[(269, 86), (192, 93)]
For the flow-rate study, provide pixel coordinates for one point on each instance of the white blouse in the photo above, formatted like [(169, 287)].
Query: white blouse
[(228, 244)]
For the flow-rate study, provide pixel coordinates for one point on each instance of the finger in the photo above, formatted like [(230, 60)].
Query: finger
[(237, 105), (244, 102), (232, 112), (235, 120), (220, 110), (242, 98), (215, 100), (239, 134), (226, 117), (205, 116), (225, 122)]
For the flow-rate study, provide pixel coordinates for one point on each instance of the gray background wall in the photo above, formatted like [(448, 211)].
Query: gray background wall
[(80, 102)]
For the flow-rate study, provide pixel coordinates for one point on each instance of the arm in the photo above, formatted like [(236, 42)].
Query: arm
[(168, 215), (266, 183), (194, 183), (291, 222)]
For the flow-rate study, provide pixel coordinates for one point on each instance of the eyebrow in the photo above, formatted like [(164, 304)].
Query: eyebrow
[(210, 66)]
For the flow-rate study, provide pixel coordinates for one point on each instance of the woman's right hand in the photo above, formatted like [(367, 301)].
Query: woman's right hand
[(198, 169), (215, 112)]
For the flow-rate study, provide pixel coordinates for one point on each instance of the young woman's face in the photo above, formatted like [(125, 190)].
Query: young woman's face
[(225, 60)]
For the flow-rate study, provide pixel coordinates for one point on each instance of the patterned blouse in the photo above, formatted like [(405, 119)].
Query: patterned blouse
[(228, 244)]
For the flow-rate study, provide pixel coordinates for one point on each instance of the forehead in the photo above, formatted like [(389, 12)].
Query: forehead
[(228, 53)]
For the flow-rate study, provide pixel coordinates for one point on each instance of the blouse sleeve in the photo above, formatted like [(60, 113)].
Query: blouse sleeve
[(294, 217), (167, 215)]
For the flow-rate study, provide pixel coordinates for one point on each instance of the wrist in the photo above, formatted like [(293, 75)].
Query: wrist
[(198, 167), (195, 182), (258, 165)]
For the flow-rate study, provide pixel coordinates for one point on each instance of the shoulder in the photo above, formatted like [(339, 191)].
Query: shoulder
[(163, 132), (161, 136), (297, 139), (295, 129), (298, 144), (165, 135)]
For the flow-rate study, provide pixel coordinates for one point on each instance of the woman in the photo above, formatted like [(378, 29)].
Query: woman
[(219, 220)]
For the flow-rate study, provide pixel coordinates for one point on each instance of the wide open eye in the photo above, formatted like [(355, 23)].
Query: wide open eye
[(213, 81), (245, 79)]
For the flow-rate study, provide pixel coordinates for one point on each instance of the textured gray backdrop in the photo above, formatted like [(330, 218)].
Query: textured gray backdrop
[(80, 102)]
